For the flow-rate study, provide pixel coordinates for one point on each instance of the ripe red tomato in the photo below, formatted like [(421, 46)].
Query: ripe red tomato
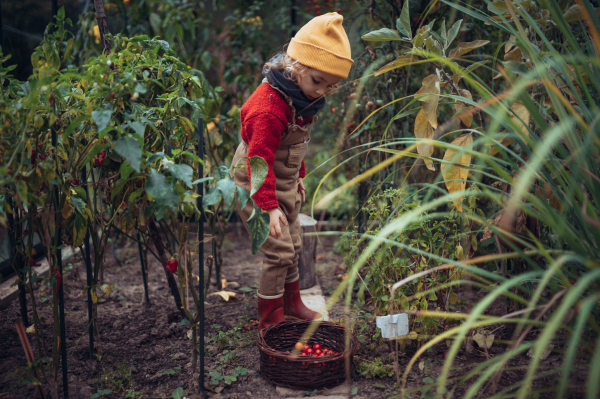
[(350, 125), (317, 7), (333, 110), (317, 346), (172, 265), (305, 347), (318, 352), (339, 10), (302, 354), (310, 351), (299, 346)]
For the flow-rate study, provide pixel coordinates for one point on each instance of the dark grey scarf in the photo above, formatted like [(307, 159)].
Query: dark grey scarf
[(304, 107)]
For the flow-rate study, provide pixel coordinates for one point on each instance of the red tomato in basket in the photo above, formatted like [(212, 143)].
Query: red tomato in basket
[(305, 347), (310, 351), (318, 352), (317, 346)]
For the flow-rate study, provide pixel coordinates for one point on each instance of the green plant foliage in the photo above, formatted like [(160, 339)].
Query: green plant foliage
[(423, 244), (376, 368)]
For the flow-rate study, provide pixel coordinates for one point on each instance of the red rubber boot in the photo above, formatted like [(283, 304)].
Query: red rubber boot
[(270, 311), (293, 307)]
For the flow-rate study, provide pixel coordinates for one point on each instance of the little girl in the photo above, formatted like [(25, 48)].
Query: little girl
[(276, 124)]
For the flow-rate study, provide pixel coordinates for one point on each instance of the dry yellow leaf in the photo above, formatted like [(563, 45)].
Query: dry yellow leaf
[(224, 294), (506, 141), (431, 86), (522, 112), (30, 329), (464, 110), (94, 296), (510, 43), (455, 169), (424, 130), (453, 298), (513, 55)]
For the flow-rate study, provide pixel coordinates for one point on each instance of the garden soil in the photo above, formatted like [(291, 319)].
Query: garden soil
[(146, 351)]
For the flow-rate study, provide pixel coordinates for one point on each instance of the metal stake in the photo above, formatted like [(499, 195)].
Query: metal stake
[(142, 262), (89, 274), (200, 190), (61, 296)]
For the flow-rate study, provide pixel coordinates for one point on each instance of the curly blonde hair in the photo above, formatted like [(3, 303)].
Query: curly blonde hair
[(291, 68)]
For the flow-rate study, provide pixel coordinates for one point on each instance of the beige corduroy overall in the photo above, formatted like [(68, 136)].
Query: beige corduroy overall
[(280, 261)]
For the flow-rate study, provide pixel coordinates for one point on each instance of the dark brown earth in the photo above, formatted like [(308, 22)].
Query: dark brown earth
[(146, 352)]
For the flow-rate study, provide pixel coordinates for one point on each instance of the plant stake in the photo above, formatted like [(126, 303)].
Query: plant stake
[(143, 268), (88, 271), (61, 296), (200, 191)]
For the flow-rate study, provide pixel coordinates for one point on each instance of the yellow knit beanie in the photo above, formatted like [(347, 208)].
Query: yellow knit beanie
[(322, 44)]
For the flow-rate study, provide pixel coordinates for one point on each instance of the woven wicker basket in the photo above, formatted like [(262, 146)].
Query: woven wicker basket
[(303, 372)]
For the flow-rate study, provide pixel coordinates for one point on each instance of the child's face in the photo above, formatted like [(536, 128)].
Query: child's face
[(317, 83)]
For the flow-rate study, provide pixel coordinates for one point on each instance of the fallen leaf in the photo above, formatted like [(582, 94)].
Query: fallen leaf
[(30, 329), (189, 334), (422, 364), (424, 130), (482, 340), (224, 294), (223, 283), (232, 284), (455, 171)]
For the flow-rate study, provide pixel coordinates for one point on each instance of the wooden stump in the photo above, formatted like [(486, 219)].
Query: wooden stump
[(308, 252)]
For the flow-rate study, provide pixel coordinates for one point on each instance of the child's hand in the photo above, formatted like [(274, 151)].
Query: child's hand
[(276, 216), (301, 190)]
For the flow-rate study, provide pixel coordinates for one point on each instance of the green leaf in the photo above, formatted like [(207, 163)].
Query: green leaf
[(125, 170), (242, 196), (404, 20), (140, 88), (211, 197), (177, 393), (155, 23), (355, 389), (443, 34), (258, 173), (453, 32), (162, 191), (518, 68), (76, 224), (227, 187), (182, 172), (138, 127), (102, 118), (130, 149), (258, 223), (74, 124), (382, 35)]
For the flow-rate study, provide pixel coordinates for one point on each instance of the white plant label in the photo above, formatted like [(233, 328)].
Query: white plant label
[(393, 326)]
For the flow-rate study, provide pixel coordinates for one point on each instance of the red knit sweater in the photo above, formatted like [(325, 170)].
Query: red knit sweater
[(265, 118)]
